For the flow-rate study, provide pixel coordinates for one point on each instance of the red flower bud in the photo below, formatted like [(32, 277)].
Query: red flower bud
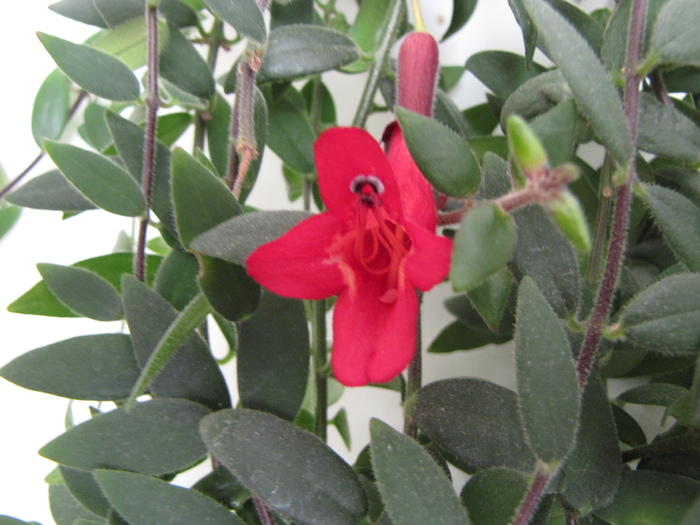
[(417, 73)]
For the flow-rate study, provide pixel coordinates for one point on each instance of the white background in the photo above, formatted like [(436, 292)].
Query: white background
[(31, 419)]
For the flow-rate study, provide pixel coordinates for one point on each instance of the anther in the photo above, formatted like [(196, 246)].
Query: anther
[(360, 182)]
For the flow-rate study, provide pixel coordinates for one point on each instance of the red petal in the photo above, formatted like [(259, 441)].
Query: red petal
[(428, 262), (341, 155), (372, 341), (416, 192), (297, 264)]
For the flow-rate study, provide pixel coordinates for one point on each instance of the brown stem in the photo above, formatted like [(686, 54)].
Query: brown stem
[(532, 499), (659, 86), (264, 513), (149, 154)]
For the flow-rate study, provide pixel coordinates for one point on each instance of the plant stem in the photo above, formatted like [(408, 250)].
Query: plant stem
[(690, 439), (414, 378), (216, 36), (380, 57), (263, 512), (623, 200), (532, 499), (149, 154), (600, 234), (320, 361)]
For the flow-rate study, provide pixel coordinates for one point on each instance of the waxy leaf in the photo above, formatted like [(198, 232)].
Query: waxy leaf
[(51, 107), (296, 51), (502, 72), (592, 86), (235, 239), (144, 501), (665, 317), (491, 229), (675, 38), (289, 133), (546, 376), (100, 180), (50, 191), (461, 13), (288, 468), (182, 65), (243, 15), (83, 291), (154, 438), (475, 421), (95, 71), (442, 156), (273, 365), (413, 486), (91, 367), (492, 496), (666, 131)]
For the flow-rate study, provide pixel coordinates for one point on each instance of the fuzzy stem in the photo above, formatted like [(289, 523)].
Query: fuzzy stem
[(623, 200), (263, 512), (388, 33), (532, 499), (243, 125), (690, 439), (320, 363), (602, 220), (414, 379)]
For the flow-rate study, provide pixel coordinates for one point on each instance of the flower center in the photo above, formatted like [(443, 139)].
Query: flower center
[(380, 243)]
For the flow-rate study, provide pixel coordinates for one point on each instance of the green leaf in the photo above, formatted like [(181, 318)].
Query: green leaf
[(526, 26), (536, 96), (591, 474), (546, 376), (441, 154), (85, 490), (144, 501), (273, 365), (461, 13), (665, 317), (288, 468), (289, 134), (50, 191), (65, 509), (172, 126), (501, 71), (222, 486), (182, 65), (243, 15), (154, 438), (231, 292), (83, 291), (100, 180), (629, 431), (675, 38), (8, 217), (656, 394), (461, 336), (51, 107), (295, 51), (491, 297), (297, 12), (493, 496), (218, 132), (94, 128), (176, 280), (666, 131), (91, 367), (487, 226), (651, 498), (95, 71), (457, 413), (80, 10), (366, 29), (413, 486), (40, 301), (191, 372), (235, 239), (592, 86), (128, 41), (557, 130)]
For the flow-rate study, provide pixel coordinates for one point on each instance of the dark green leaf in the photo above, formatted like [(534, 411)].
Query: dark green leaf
[(154, 437), (91, 367), (487, 226), (446, 112), (657, 394), (8, 217), (80, 10), (273, 365), (95, 71), (192, 373), (666, 131), (546, 376), (40, 301), (592, 471), (176, 280), (584, 23), (590, 83), (218, 133), (493, 496), (100, 180), (228, 287), (184, 67), (501, 71), (84, 488), (460, 336), (296, 51), (83, 291), (557, 130), (50, 191), (235, 239), (480, 119), (441, 155), (115, 13), (536, 96), (651, 498), (526, 26), (474, 420), (665, 317), (243, 15), (628, 430), (172, 126), (461, 12), (491, 297), (290, 135), (65, 509), (288, 468), (675, 38), (413, 486), (297, 12), (51, 107), (94, 128), (222, 486), (144, 501)]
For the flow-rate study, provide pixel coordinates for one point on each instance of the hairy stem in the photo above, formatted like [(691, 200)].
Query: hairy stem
[(623, 198), (532, 499), (320, 352), (388, 35), (263, 512), (414, 379), (149, 154)]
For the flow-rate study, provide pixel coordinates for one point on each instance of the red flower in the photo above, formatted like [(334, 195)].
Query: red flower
[(373, 247)]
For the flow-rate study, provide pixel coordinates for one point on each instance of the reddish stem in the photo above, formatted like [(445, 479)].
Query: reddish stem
[(532, 499)]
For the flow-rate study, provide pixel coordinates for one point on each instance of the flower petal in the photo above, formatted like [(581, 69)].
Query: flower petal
[(341, 155), (428, 262), (373, 341), (298, 263)]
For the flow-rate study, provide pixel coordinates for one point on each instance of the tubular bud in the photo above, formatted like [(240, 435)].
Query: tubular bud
[(417, 73), (566, 211), (526, 148)]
